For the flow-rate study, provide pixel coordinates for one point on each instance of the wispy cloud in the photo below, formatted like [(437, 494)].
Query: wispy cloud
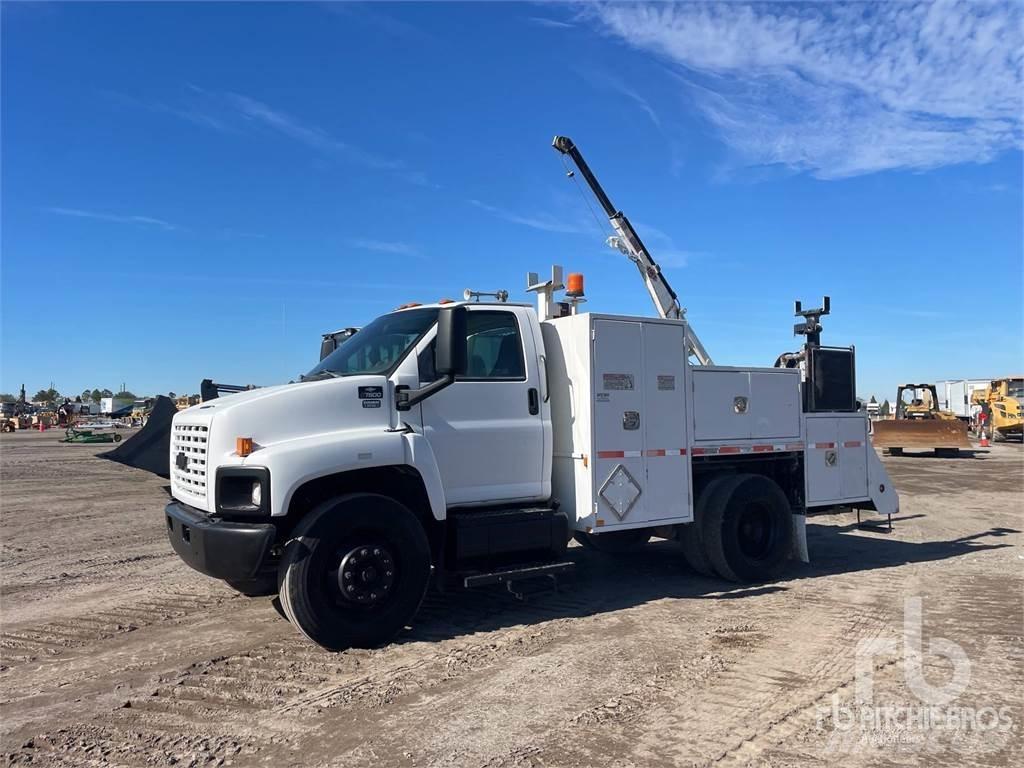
[(231, 112), (394, 248), (543, 21), (381, 22), (308, 134), (545, 222), (839, 90), (194, 116), (147, 221), (663, 248), (604, 80)]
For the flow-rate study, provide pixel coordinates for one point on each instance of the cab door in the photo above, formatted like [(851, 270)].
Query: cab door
[(486, 429)]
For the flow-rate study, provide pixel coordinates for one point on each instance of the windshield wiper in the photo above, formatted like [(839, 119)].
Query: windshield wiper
[(325, 374)]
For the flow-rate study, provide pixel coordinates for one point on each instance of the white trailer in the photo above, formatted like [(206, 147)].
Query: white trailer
[(110, 406), (468, 442), (955, 396)]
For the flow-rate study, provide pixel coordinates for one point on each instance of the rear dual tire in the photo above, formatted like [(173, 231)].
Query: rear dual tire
[(743, 529), (355, 572)]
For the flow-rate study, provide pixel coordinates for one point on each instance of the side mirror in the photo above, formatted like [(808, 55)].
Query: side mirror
[(449, 358), (327, 346), (331, 341), (450, 352)]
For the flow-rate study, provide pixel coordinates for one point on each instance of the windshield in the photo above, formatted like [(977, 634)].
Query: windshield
[(1016, 389), (378, 347)]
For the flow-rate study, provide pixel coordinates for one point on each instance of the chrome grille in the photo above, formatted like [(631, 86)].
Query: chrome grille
[(191, 440)]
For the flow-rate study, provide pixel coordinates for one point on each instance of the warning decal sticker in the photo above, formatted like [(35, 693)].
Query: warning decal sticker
[(666, 382), (618, 381)]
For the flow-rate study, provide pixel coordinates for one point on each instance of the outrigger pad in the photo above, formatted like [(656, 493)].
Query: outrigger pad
[(150, 448)]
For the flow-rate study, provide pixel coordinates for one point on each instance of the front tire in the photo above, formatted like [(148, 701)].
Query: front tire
[(355, 571), (747, 529)]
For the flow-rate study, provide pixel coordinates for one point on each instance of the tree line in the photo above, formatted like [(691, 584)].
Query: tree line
[(51, 395)]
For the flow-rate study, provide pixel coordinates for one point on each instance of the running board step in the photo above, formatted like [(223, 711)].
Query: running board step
[(512, 578)]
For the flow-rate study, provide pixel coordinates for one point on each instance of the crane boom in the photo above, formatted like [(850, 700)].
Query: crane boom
[(629, 243)]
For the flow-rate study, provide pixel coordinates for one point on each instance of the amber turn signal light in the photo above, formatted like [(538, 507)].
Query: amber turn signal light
[(243, 446)]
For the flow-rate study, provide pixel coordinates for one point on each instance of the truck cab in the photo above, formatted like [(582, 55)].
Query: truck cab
[(380, 420)]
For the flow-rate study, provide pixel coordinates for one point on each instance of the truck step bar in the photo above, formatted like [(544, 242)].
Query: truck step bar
[(521, 582)]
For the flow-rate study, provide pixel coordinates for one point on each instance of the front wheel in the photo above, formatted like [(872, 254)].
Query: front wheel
[(355, 571)]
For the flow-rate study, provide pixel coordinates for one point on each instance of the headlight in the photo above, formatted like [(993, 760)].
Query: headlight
[(242, 491)]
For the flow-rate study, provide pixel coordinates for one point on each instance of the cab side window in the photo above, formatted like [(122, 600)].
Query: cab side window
[(494, 349)]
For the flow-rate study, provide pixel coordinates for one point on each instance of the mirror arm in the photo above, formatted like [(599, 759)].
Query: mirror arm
[(406, 397)]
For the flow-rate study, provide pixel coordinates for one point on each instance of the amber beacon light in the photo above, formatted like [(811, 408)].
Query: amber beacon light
[(574, 285)]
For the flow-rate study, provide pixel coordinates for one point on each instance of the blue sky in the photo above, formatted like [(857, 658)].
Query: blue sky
[(195, 190)]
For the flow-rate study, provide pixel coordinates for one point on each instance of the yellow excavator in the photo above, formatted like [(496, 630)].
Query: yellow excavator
[(1001, 403), (920, 425)]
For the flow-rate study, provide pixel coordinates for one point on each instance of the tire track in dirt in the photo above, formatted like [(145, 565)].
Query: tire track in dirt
[(32, 642)]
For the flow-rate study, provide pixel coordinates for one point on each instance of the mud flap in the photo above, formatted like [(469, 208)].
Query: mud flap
[(800, 551), (883, 494), (150, 448)]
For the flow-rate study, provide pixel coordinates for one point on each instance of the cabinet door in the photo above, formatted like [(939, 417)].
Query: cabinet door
[(775, 405), (821, 461), (716, 414), (853, 461), (668, 467), (619, 481)]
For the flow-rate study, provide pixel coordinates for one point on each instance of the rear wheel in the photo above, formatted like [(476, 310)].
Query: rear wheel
[(355, 572), (690, 536), (614, 542), (747, 529)]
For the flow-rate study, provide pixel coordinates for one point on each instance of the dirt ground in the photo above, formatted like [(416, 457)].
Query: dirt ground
[(113, 652)]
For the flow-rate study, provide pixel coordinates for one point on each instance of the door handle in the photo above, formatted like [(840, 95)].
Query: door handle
[(533, 400)]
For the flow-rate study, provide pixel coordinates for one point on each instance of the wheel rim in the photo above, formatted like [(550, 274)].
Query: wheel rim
[(756, 532), (366, 575)]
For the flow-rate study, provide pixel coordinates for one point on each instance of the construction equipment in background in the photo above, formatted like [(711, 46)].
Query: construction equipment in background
[(150, 447), (919, 425), (16, 415), (1001, 403), (187, 401), (72, 435)]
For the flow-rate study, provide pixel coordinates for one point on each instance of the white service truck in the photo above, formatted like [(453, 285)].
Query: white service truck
[(469, 441)]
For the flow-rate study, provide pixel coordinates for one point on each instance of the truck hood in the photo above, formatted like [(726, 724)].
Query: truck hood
[(276, 414)]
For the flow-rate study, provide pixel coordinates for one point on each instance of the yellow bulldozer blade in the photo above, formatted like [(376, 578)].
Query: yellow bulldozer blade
[(920, 434)]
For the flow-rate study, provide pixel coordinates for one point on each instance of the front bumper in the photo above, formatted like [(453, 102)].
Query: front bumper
[(218, 548)]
